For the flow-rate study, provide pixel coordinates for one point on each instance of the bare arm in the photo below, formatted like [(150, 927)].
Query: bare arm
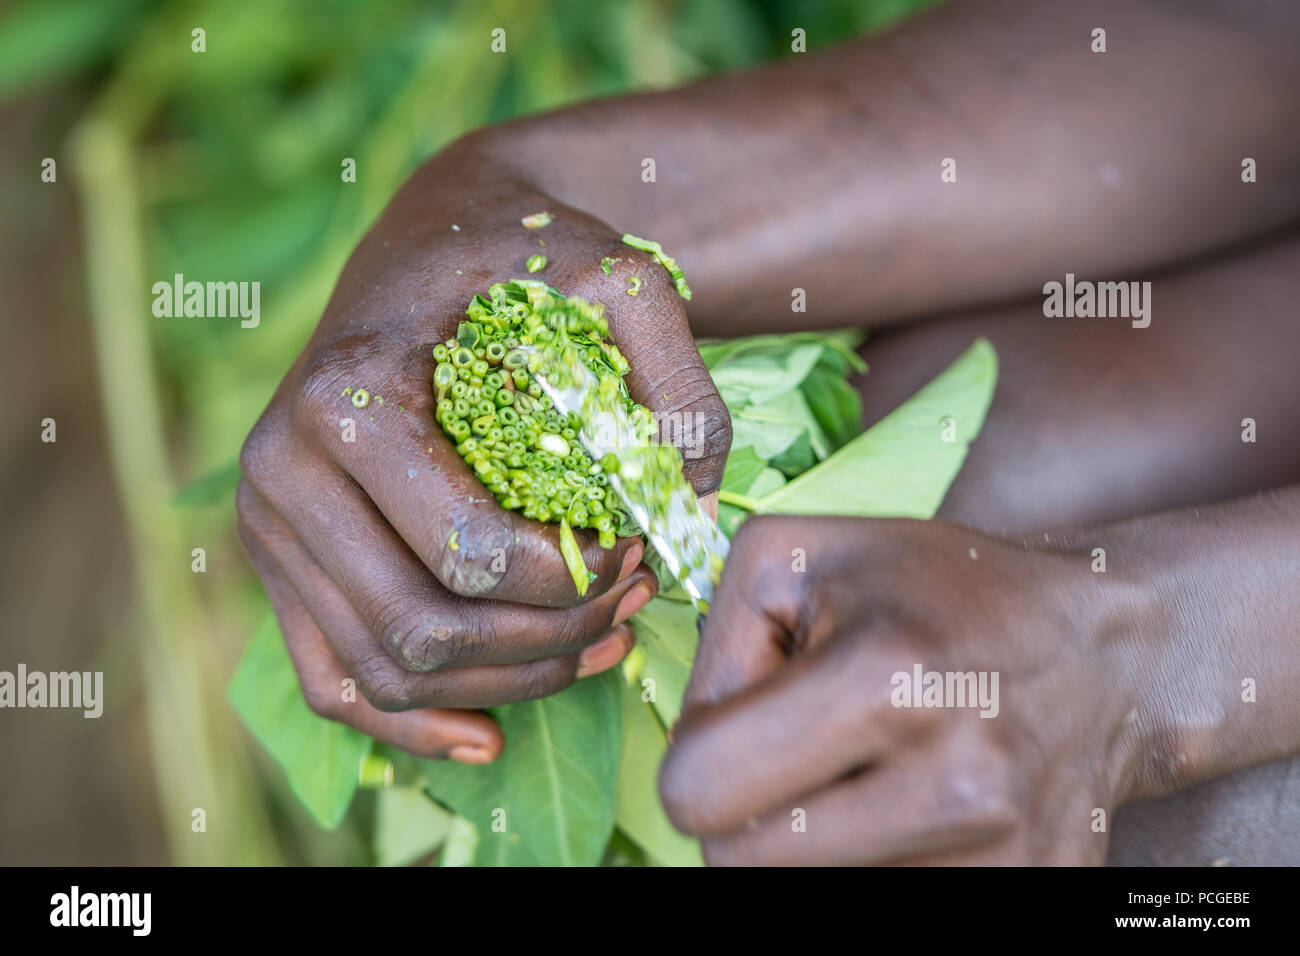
[(823, 172)]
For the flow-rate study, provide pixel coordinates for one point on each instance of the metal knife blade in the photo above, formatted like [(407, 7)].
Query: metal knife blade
[(690, 543)]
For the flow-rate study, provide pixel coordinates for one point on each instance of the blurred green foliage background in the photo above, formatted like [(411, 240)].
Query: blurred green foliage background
[(225, 165)]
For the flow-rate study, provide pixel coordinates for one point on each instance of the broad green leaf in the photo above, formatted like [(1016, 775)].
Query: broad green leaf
[(461, 845), (902, 466), (321, 758), (761, 376), (768, 480), (773, 426), (549, 799), (841, 341), (730, 518), (798, 458), (408, 825), (561, 771), (834, 403), (477, 793), (639, 813), (743, 466), (667, 631)]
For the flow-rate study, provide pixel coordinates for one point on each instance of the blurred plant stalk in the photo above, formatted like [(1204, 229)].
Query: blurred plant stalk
[(199, 759)]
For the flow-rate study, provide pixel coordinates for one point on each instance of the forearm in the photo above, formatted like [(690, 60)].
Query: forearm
[(1096, 422), (823, 172), (1207, 645)]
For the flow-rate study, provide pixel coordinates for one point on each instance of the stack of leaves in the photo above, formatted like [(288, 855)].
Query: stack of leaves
[(577, 781)]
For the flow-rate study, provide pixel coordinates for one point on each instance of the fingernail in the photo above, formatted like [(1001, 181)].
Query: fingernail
[(606, 652), (631, 558), (632, 602), (468, 753)]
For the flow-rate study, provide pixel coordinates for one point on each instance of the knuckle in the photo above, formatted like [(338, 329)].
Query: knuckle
[(420, 645), (383, 686), (322, 702), (542, 679), (969, 795), (258, 452)]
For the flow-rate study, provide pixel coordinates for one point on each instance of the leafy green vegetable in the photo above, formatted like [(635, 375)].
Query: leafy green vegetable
[(902, 466), (321, 758), (408, 826), (549, 799), (579, 771), (666, 629), (461, 845), (639, 814)]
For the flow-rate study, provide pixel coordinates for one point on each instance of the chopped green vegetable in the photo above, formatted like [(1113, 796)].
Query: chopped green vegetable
[(607, 264), (490, 403), (536, 263), (633, 285), (454, 541), (573, 557), (537, 220), (665, 260), (360, 398)]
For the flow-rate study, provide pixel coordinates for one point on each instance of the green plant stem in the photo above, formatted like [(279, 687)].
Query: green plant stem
[(740, 501)]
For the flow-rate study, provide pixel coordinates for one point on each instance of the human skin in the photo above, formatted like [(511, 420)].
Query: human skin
[(792, 176), (1099, 422)]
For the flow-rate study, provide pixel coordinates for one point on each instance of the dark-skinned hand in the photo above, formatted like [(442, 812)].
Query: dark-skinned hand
[(791, 702), (351, 538)]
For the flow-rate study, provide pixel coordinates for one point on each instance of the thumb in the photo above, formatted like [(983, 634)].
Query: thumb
[(752, 620)]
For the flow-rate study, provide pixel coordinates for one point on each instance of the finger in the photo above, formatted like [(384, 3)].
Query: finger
[(421, 624), (461, 735), (380, 679), (748, 632), (404, 463), (824, 714), (898, 812)]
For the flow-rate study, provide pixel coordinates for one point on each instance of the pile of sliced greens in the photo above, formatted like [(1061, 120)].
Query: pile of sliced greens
[(576, 784)]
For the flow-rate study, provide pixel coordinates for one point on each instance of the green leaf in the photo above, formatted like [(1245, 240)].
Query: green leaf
[(901, 467), (556, 781), (758, 376), (834, 403), (461, 846), (667, 631), (477, 793), (771, 427), (215, 486), (46, 40), (321, 758), (408, 825), (639, 814), (743, 466), (842, 342)]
